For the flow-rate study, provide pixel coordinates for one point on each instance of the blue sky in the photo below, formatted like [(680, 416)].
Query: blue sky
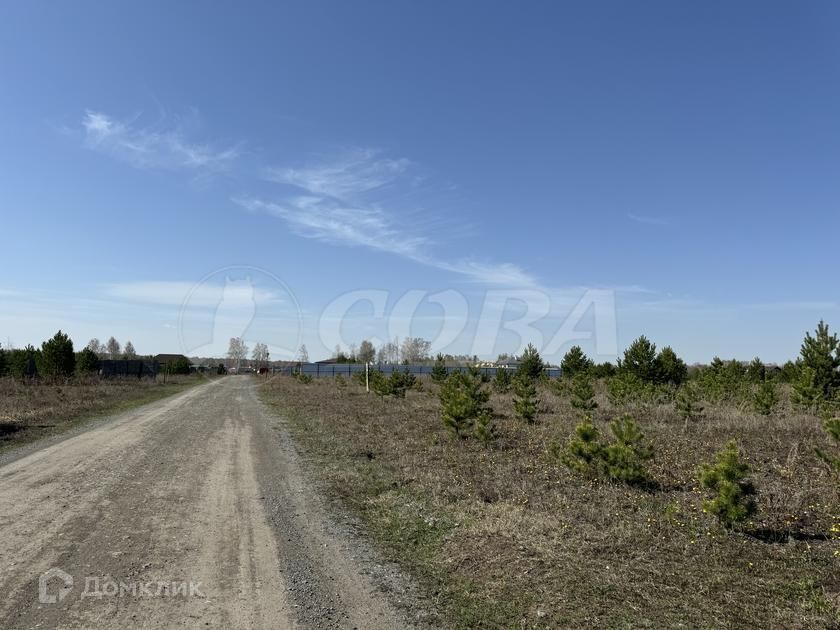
[(677, 161)]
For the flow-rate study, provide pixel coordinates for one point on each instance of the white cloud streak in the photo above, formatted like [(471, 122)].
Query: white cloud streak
[(334, 210), (145, 147)]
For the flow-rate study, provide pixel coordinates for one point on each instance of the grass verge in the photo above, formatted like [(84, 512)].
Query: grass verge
[(32, 411)]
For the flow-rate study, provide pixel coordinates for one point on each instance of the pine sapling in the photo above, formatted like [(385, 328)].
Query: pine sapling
[(765, 398), (503, 380), (463, 401), (832, 427), (732, 493), (439, 372), (626, 457), (688, 403), (582, 393), (525, 399), (584, 452)]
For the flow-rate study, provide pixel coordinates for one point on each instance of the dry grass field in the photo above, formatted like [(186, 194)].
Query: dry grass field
[(32, 410), (505, 536)]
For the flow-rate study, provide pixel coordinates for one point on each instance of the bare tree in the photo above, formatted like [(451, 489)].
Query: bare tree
[(415, 349), (97, 347), (260, 354), (113, 348), (389, 352), (128, 351), (237, 351), (367, 353), (303, 354)]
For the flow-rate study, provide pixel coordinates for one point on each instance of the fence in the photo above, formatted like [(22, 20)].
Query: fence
[(319, 370), (128, 367)]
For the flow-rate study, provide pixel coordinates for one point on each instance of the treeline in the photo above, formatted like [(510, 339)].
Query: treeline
[(57, 358)]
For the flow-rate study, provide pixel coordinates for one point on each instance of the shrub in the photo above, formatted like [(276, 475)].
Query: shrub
[(340, 381), (398, 382), (463, 401), (603, 370), (439, 369), (625, 388), (179, 366), (756, 371), (821, 353), (484, 430), (503, 380), (575, 362), (832, 427), (623, 460), (24, 363), (723, 381), (672, 369), (765, 399), (525, 399), (733, 494), (688, 403), (300, 377), (220, 369), (531, 365), (87, 361), (582, 393), (807, 393), (477, 372), (626, 457), (57, 356), (640, 359)]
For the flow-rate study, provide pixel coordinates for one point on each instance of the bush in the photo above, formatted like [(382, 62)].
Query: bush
[(626, 457), (221, 370), (640, 360), (832, 427), (179, 366), (525, 399), (582, 393), (439, 373), (625, 388), (463, 402), (688, 403), (756, 371), (807, 393), (300, 377), (821, 353), (733, 499), (584, 452), (87, 361), (765, 399), (531, 365), (398, 382), (503, 380), (24, 363), (603, 370), (57, 356), (575, 362), (623, 460), (672, 369)]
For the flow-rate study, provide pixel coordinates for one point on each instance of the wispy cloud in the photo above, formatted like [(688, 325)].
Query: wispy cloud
[(354, 173), (337, 208), (647, 220), (147, 147)]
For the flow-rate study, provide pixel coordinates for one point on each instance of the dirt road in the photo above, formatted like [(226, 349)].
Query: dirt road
[(189, 512)]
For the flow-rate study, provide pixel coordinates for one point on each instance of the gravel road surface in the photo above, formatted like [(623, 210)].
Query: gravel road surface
[(194, 512)]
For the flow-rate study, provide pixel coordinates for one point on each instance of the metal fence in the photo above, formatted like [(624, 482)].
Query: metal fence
[(129, 367), (319, 370)]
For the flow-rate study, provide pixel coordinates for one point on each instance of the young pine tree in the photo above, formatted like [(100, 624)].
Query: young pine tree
[(531, 365), (821, 353), (832, 427), (807, 394), (439, 372), (57, 356), (626, 457), (503, 380), (584, 452), (688, 403), (733, 494), (525, 399), (672, 369), (765, 398), (463, 401), (641, 360), (575, 362), (582, 393)]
